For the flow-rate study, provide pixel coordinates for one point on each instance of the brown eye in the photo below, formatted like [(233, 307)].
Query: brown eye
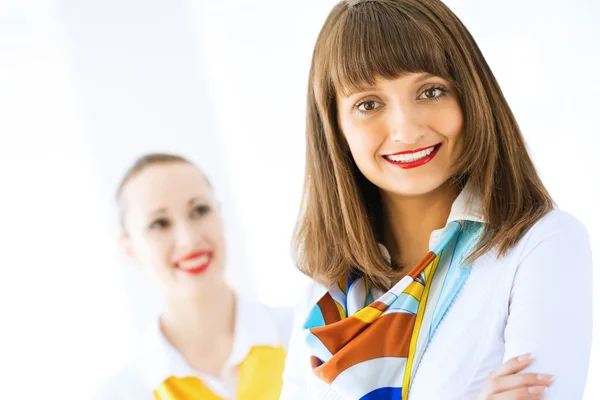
[(431, 93), (200, 210), (367, 106), (159, 224), (434, 93)]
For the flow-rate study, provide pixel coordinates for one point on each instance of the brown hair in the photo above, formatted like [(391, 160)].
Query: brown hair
[(140, 165), (339, 223)]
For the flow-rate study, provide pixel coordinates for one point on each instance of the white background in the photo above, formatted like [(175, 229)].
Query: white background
[(85, 87)]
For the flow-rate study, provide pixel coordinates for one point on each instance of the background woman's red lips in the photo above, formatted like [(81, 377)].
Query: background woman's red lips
[(190, 264), (191, 256)]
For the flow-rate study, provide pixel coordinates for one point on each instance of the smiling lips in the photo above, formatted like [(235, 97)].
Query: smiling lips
[(195, 263), (413, 158)]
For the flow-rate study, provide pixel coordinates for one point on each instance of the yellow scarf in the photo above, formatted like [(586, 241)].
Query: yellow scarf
[(259, 378)]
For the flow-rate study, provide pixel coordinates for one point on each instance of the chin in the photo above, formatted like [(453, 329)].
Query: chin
[(190, 290), (417, 189)]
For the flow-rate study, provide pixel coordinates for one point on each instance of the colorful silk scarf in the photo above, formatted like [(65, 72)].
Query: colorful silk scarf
[(370, 349), (259, 378)]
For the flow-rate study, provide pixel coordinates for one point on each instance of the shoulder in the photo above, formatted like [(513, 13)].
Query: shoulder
[(310, 296), (146, 367), (556, 242), (556, 247), (124, 383), (271, 323), (282, 318), (312, 293), (554, 250), (556, 232), (557, 221)]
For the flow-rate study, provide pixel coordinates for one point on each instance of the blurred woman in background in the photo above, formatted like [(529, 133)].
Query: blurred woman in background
[(209, 343)]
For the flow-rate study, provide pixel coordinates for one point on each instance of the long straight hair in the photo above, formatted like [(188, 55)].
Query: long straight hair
[(340, 217)]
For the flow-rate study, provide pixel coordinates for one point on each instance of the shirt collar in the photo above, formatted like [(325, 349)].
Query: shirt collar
[(467, 206), (254, 326)]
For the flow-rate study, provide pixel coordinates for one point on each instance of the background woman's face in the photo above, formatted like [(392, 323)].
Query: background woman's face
[(173, 227)]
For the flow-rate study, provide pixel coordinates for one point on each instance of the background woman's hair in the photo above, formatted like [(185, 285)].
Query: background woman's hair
[(141, 164), (340, 220)]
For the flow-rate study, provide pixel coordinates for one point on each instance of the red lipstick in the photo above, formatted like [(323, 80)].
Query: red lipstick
[(192, 268), (415, 163)]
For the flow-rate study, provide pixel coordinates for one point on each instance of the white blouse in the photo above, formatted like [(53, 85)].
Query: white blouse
[(156, 359), (537, 298)]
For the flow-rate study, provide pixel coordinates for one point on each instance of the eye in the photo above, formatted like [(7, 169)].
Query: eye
[(200, 210), (159, 224), (367, 106), (433, 93)]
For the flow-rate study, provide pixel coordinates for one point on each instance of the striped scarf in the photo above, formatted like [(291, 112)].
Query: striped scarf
[(370, 349)]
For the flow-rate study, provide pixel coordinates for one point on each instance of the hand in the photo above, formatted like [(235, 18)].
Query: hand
[(506, 383)]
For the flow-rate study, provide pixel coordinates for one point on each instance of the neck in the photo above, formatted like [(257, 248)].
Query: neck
[(196, 326), (413, 220)]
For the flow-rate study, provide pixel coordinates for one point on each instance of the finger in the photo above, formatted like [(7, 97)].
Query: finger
[(516, 381), (531, 393), (512, 366)]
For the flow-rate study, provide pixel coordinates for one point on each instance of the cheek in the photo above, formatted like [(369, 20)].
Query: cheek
[(449, 122), (218, 233), (211, 229), (362, 139), (156, 250)]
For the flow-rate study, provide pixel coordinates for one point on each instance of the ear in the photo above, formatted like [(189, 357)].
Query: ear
[(127, 245)]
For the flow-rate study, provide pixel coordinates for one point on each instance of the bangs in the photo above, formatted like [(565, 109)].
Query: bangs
[(376, 40)]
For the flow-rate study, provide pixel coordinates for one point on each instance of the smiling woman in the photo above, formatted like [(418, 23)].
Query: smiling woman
[(157, 194), (406, 123), (436, 252), (210, 343)]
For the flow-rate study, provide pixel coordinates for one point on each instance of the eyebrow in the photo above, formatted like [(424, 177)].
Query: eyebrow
[(190, 203), (195, 199), (425, 76), (422, 77), (358, 89), (157, 211)]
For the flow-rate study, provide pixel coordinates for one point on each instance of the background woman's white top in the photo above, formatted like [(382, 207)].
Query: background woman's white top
[(537, 298), (156, 359)]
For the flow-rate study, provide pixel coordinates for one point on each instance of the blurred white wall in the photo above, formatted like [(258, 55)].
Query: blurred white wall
[(85, 87), (60, 299), (142, 87)]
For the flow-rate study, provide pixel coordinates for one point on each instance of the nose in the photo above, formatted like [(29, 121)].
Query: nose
[(405, 126), (186, 235)]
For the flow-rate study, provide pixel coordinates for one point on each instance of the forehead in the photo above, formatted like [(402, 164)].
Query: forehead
[(165, 185)]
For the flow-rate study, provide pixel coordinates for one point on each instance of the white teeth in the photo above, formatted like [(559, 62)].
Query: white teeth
[(194, 263), (411, 156)]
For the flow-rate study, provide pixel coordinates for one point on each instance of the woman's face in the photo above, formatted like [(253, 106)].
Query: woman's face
[(404, 134), (173, 228)]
